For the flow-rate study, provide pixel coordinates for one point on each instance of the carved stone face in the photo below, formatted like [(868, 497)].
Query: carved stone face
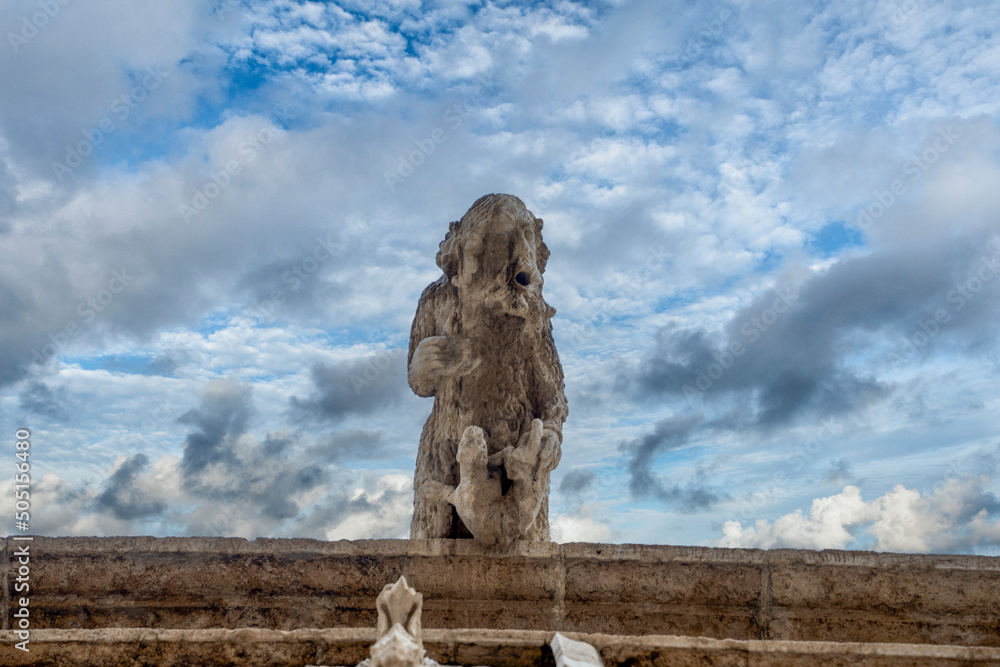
[(498, 265), (508, 276)]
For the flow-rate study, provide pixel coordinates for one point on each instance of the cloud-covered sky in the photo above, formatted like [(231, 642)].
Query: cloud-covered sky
[(775, 237)]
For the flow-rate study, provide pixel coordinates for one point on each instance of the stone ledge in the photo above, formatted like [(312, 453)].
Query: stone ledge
[(285, 584), (114, 647)]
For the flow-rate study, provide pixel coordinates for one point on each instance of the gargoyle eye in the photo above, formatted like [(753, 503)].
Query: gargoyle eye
[(522, 278)]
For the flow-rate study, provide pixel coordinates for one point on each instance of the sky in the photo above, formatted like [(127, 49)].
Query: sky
[(774, 232)]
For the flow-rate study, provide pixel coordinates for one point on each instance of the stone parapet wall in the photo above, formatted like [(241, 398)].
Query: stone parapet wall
[(117, 647), (288, 584)]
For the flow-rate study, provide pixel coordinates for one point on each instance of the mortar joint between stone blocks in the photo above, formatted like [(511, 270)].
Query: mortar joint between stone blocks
[(764, 612), (560, 593)]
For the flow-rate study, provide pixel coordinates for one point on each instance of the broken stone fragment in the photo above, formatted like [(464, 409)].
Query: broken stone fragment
[(571, 653)]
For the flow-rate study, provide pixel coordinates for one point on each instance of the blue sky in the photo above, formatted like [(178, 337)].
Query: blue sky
[(775, 232)]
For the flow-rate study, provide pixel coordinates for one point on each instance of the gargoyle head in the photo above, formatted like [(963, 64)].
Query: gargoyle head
[(495, 256)]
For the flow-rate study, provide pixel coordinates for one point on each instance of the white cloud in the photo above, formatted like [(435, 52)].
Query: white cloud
[(389, 505), (954, 518), (579, 527)]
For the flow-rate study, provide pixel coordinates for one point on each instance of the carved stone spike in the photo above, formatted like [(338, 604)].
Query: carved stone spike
[(571, 653), (481, 344), (399, 643), (399, 604)]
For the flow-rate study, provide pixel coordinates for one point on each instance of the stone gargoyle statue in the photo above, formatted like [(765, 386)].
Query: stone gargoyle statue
[(481, 344)]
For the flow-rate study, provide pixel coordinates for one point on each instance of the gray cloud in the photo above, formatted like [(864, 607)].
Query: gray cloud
[(8, 202), (229, 482), (222, 461), (276, 503), (692, 497), (360, 386), (161, 364), (68, 77), (301, 286), (218, 422), (789, 352), (352, 444), (839, 472), (577, 481), (362, 503), (40, 399), (124, 495), (668, 435)]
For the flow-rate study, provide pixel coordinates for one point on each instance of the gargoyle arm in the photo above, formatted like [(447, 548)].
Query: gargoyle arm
[(425, 324)]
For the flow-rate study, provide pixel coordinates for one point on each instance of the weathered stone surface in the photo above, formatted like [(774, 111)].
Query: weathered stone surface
[(114, 647), (909, 598), (283, 584), (206, 582), (663, 590), (495, 648), (481, 344), (615, 589)]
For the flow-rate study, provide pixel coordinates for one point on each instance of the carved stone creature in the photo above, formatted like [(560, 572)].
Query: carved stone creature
[(399, 604), (399, 642), (481, 344)]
